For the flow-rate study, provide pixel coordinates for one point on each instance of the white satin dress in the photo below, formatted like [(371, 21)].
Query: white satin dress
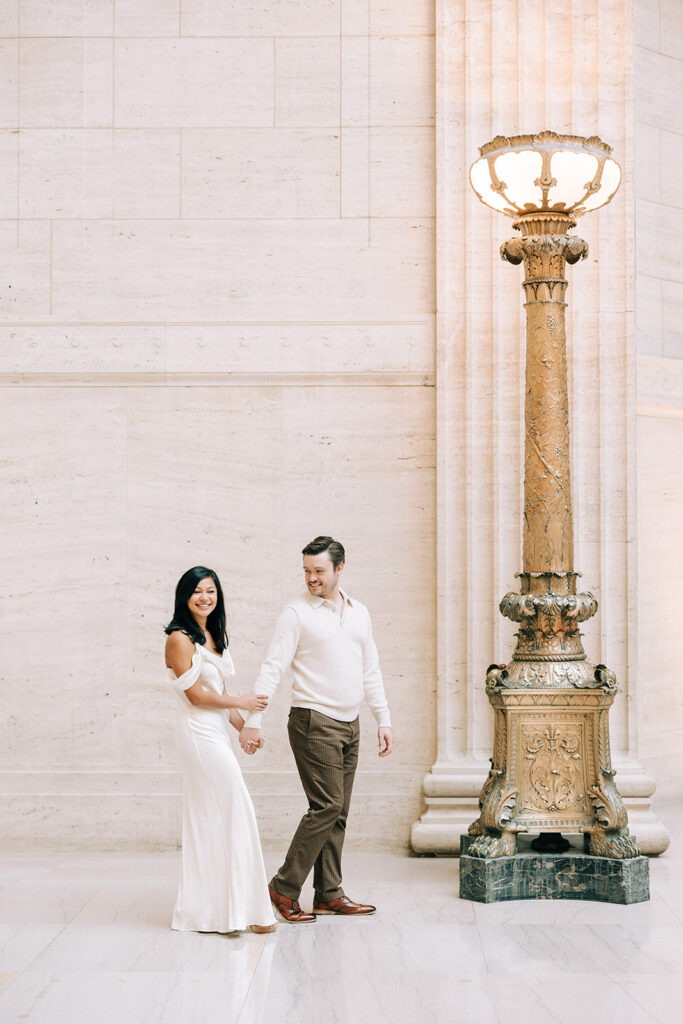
[(223, 886)]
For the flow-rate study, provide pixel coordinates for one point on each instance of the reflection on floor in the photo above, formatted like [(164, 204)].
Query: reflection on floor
[(84, 939)]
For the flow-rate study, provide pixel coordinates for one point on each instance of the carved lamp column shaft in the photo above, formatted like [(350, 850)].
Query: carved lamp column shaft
[(548, 534), (551, 770)]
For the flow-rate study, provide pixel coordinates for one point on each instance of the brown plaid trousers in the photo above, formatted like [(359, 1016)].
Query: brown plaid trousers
[(326, 755)]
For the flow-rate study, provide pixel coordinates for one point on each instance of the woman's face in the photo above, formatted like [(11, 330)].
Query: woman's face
[(203, 600)]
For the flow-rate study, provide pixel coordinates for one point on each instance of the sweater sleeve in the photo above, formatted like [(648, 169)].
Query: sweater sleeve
[(372, 681), (281, 650)]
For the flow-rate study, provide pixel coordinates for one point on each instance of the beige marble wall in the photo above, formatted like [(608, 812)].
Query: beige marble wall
[(659, 318), (217, 338), (216, 341)]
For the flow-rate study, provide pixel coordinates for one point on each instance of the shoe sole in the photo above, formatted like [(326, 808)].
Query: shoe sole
[(344, 913)]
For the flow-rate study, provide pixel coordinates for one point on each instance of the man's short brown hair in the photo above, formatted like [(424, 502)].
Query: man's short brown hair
[(329, 544)]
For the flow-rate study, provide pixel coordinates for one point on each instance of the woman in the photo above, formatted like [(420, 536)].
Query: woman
[(223, 884)]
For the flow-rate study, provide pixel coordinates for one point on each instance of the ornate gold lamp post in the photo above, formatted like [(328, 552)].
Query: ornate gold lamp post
[(551, 771)]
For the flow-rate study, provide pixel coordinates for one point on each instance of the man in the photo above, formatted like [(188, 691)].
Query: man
[(326, 639)]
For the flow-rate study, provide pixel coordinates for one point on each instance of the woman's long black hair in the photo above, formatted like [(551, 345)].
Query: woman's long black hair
[(185, 621)]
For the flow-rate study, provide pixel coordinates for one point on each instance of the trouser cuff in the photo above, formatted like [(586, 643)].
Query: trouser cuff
[(331, 894), (285, 890)]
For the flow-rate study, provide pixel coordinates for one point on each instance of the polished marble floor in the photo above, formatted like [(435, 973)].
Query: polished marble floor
[(84, 939)]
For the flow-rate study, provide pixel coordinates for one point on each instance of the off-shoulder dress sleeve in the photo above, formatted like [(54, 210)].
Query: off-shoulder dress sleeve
[(189, 678)]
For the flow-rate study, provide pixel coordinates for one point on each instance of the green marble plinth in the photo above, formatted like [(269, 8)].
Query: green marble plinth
[(572, 875)]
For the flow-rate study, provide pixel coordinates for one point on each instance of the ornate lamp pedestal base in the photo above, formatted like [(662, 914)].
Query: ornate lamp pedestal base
[(572, 875), (551, 771)]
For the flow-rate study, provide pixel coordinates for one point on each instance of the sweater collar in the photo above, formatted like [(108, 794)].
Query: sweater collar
[(316, 602)]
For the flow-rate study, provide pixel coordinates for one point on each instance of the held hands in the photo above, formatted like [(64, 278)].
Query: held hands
[(251, 740), (386, 741), (253, 702)]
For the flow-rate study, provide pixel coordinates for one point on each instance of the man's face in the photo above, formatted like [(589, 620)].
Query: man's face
[(322, 579)]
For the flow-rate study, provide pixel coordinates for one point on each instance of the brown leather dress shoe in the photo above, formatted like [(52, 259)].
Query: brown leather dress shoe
[(342, 906), (289, 909)]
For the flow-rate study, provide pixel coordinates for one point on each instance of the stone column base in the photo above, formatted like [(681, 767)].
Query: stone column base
[(453, 804)]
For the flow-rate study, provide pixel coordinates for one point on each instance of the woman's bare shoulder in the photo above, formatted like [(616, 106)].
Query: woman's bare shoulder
[(178, 644)]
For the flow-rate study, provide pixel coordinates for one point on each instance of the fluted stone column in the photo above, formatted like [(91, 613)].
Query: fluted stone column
[(509, 70)]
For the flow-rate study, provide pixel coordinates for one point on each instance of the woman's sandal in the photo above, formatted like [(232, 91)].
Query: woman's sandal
[(261, 929)]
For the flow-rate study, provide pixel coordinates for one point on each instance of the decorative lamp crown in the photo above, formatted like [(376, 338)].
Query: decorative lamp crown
[(548, 173)]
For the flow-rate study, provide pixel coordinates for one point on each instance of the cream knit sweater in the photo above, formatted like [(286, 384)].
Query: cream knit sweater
[(333, 660)]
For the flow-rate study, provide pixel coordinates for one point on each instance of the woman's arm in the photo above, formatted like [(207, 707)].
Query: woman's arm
[(236, 720), (179, 651), (201, 698)]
